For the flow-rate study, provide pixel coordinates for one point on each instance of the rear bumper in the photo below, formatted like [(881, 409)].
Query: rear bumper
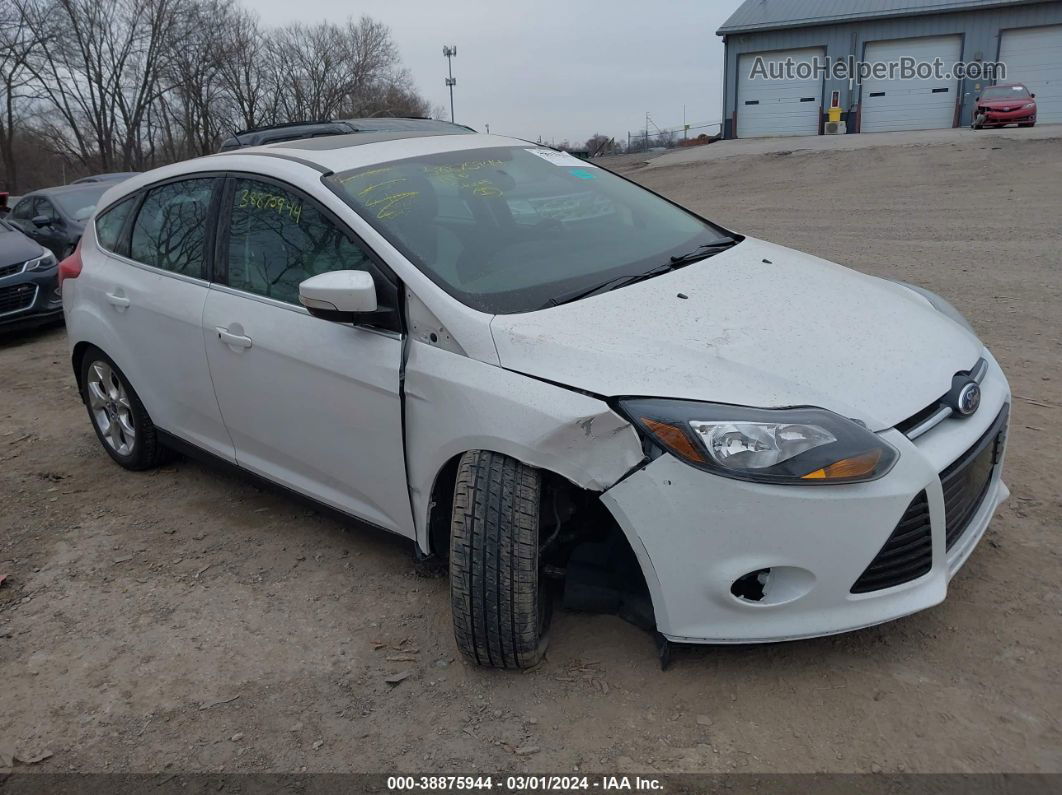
[(695, 534)]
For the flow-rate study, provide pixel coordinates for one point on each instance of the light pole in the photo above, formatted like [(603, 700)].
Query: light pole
[(450, 51)]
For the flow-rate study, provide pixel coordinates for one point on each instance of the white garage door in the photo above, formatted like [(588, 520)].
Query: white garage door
[(897, 104), (1034, 57), (778, 107)]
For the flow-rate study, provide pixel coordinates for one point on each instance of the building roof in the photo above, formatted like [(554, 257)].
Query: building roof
[(758, 15)]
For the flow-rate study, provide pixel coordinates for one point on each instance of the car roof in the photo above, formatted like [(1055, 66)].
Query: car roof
[(343, 152), (323, 155), (62, 190), (94, 178), (289, 131)]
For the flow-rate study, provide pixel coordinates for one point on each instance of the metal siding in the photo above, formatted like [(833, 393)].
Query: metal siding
[(980, 28), (774, 14)]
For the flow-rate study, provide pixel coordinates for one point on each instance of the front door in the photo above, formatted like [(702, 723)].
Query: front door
[(310, 404)]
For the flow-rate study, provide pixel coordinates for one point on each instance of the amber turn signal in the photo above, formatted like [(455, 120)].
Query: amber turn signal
[(675, 438), (855, 467)]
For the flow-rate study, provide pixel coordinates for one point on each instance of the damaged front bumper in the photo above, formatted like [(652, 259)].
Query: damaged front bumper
[(702, 540)]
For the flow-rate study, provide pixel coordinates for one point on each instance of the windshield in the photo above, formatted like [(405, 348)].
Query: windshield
[(508, 229), (1005, 92), (80, 202)]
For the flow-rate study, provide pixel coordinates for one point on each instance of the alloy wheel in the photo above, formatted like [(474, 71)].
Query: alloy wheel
[(111, 409)]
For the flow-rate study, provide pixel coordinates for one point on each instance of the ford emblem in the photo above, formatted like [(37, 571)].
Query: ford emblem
[(969, 398)]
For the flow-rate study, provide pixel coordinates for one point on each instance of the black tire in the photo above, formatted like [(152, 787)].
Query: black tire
[(145, 450), (501, 612)]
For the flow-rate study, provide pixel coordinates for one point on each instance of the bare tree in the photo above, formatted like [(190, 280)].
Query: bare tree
[(598, 144), (131, 84), (243, 70), (98, 65)]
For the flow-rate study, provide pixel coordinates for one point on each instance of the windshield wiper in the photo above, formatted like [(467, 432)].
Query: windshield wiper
[(703, 251), (674, 263)]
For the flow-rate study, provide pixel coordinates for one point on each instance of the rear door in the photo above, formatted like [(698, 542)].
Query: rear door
[(310, 404), (148, 280)]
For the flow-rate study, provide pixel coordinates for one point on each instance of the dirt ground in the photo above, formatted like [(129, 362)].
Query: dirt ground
[(186, 620)]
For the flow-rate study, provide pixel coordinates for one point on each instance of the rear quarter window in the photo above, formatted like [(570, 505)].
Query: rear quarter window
[(109, 226)]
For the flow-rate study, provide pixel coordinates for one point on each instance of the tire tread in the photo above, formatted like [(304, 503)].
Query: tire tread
[(499, 612)]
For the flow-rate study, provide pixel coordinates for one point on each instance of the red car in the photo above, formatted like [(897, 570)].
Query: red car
[(1008, 103)]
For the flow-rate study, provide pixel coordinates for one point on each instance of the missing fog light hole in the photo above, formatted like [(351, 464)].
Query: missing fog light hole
[(750, 587)]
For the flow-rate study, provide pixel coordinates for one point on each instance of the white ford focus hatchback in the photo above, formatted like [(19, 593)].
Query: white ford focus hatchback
[(555, 382)]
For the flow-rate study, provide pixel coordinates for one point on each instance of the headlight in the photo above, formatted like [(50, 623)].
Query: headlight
[(806, 446), (940, 305), (1029, 105), (42, 263)]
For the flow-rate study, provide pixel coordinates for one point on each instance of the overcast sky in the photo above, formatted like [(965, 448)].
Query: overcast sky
[(552, 69)]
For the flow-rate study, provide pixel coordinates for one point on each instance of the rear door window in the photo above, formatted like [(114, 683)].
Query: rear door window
[(170, 231)]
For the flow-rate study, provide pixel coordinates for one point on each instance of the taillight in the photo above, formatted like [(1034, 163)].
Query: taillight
[(70, 268)]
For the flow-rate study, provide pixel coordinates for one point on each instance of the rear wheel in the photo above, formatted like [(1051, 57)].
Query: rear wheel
[(119, 418), (501, 612)]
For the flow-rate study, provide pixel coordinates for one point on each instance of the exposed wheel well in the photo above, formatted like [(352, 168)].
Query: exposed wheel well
[(576, 530)]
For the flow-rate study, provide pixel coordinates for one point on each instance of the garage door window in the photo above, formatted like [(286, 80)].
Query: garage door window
[(170, 229), (277, 240)]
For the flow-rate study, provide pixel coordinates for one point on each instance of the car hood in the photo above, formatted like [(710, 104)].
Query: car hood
[(997, 104), (16, 247), (757, 325)]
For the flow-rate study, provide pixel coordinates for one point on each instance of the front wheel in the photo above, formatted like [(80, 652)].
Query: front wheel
[(501, 611)]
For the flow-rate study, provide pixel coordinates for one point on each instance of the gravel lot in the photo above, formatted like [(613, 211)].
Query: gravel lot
[(186, 620)]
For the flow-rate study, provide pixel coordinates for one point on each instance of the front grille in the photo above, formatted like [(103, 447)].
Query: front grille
[(11, 270), (906, 556), (966, 481), (17, 297)]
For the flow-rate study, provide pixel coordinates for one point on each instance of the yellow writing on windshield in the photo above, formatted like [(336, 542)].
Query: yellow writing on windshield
[(392, 206)]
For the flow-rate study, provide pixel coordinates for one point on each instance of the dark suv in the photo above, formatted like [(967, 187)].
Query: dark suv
[(292, 131)]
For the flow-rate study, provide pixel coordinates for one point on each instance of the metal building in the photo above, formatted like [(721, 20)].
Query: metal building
[(1026, 35)]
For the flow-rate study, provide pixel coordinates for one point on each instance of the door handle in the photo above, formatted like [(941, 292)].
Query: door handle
[(236, 340), (119, 301)]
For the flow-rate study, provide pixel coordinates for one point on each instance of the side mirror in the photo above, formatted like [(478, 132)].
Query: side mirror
[(41, 220), (339, 296), (977, 99)]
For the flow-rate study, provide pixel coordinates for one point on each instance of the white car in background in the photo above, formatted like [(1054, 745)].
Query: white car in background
[(538, 370)]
